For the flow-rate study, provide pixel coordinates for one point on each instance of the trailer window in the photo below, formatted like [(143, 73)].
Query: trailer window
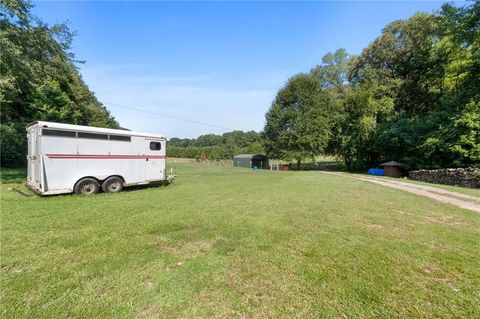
[(120, 138), (58, 133), (155, 146), (93, 136)]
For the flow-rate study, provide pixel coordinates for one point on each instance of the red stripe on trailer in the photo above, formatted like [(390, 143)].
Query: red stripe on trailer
[(94, 156)]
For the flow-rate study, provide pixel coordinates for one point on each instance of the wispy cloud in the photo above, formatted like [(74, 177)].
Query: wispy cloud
[(204, 97)]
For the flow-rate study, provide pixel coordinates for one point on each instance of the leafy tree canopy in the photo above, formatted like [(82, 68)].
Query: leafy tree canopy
[(413, 95), (39, 80), (299, 122)]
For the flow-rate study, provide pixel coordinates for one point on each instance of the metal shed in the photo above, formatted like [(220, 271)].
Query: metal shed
[(251, 161), (392, 169)]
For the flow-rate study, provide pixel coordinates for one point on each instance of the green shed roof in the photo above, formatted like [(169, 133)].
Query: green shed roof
[(248, 156)]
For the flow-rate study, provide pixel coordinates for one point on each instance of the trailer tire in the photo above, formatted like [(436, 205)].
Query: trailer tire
[(112, 184), (86, 186)]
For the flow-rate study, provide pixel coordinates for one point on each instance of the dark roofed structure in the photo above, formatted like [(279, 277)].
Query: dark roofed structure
[(251, 161), (392, 169)]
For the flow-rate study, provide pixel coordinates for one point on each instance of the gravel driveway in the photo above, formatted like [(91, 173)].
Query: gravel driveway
[(458, 199)]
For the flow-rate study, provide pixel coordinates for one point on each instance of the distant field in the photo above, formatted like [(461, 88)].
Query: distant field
[(227, 242)]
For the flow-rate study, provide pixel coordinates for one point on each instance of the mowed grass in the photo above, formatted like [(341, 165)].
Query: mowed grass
[(12, 175), (230, 243)]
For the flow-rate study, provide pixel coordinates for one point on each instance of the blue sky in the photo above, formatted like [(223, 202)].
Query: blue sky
[(213, 62)]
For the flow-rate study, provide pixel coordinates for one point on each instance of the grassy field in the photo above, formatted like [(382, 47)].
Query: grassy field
[(224, 242)]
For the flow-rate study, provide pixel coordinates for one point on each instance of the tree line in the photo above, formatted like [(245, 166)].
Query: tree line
[(39, 80), (413, 95), (216, 146)]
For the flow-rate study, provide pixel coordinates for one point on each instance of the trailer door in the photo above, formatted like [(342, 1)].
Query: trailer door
[(154, 159), (34, 162)]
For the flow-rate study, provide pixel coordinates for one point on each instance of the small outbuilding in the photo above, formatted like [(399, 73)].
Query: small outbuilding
[(392, 169), (251, 161)]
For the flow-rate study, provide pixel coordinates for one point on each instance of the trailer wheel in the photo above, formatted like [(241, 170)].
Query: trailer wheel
[(112, 185), (86, 186)]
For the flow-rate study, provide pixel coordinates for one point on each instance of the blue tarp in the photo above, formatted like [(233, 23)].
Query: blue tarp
[(376, 171)]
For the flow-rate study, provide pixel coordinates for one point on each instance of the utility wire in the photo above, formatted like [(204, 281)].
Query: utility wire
[(166, 116)]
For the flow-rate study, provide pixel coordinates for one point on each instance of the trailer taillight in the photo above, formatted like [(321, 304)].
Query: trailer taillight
[(44, 125)]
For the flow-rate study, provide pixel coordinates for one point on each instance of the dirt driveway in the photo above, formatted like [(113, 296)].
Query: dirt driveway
[(458, 199)]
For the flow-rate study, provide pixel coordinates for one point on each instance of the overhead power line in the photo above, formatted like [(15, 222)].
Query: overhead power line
[(166, 116)]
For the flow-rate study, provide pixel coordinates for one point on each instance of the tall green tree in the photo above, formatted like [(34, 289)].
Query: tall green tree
[(299, 122), (39, 80), (427, 68), (359, 124), (333, 71), (333, 76), (412, 95)]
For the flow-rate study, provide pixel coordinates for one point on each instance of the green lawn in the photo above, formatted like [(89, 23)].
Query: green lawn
[(12, 175), (231, 243)]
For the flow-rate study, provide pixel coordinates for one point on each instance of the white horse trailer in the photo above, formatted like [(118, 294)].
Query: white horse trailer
[(64, 158)]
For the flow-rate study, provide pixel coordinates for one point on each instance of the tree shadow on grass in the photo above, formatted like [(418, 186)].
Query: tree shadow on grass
[(145, 186), (12, 175), (126, 189)]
